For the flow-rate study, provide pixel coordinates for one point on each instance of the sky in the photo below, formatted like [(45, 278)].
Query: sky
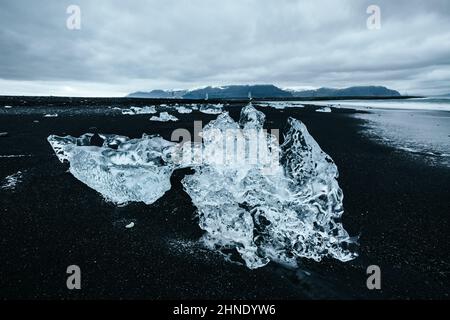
[(140, 45)]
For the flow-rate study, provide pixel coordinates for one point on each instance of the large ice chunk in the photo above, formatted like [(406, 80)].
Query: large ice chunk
[(264, 201), (288, 212), (134, 170)]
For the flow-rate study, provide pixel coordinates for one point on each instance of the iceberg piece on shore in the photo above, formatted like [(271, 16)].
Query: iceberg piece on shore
[(137, 110), (182, 109), (11, 181), (51, 115), (324, 109), (281, 104), (138, 170), (280, 215), (211, 108), (279, 204), (164, 117)]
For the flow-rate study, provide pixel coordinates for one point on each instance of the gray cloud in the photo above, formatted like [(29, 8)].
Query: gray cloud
[(137, 44)]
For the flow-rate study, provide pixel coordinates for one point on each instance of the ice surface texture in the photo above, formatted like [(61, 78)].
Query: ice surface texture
[(137, 110), (138, 170), (289, 211), (11, 181), (324, 109), (281, 209), (164, 117), (211, 109), (182, 109)]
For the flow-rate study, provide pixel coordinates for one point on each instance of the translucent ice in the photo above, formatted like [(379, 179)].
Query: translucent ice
[(51, 115), (324, 109), (182, 109), (134, 170), (11, 181), (138, 110), (288, 212), (280, 203), (164, 117), (211, 108)]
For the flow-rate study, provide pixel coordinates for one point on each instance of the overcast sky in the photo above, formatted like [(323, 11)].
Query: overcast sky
[(132, 45)]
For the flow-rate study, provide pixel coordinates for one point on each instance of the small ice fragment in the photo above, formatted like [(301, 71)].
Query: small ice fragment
[(3, 134), (279, 105), (324, 109), (51, 115), (10, 182), (8, 107), (164, 117), (130, 225), (15, 155), (184, 110), (137, 110), (212, 109)]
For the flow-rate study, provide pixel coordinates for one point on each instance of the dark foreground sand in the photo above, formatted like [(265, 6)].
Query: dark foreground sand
[(399, 206)]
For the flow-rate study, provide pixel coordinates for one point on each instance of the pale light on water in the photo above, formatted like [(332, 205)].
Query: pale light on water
[(438, 104), (422, 133)]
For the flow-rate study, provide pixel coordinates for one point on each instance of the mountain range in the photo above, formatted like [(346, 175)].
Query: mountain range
[(265, 91)]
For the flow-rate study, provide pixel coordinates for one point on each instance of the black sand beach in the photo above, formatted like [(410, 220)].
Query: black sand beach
[(398, 205)]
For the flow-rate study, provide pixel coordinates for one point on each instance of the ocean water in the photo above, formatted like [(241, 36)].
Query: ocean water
[(431, 103), (423, 134), (420, 127)]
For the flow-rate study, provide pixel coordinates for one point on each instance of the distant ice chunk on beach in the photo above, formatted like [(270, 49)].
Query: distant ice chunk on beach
[(164, 117), (280, 210), (11, 181), (324, 109), (182, 109), (51, 115), (138, 110), (280, 105), (211, 108)]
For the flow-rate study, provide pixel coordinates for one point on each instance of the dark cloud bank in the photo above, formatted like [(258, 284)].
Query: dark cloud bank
[(126, 46)]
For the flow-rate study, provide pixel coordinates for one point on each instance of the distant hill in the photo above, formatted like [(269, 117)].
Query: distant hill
[(159, 94), (226, 92), (265, 91), (239, 92), (362, 91)]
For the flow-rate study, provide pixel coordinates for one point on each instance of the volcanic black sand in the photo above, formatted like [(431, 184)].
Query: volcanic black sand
[(397, 204)]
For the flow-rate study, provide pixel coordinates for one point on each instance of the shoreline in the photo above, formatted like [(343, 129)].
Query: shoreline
[(128, 101)]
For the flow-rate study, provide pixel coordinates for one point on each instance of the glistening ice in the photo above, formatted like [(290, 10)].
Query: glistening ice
[(281, 209)]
